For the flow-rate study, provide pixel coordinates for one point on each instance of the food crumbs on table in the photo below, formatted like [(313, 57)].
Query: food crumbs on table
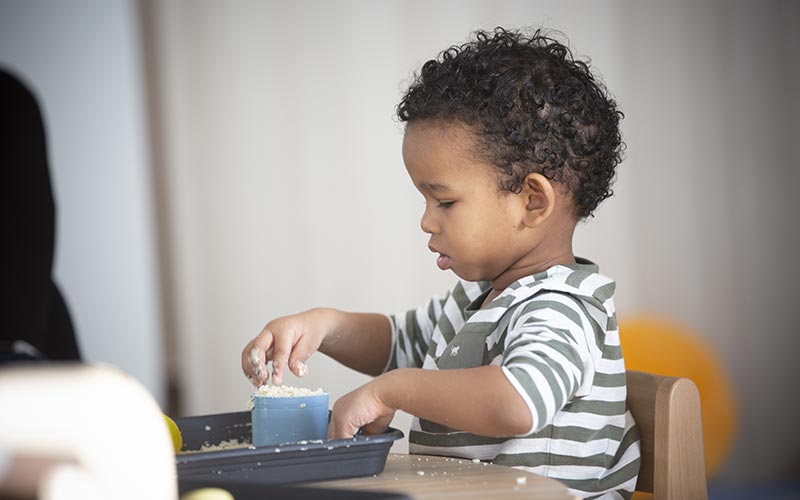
[(522, 480), (420, 472), (208, 427), (476, 460)]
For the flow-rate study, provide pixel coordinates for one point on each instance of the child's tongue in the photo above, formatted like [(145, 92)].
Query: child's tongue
[(443, 261)]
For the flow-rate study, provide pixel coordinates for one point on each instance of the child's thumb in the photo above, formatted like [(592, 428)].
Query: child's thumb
[(378, 425)]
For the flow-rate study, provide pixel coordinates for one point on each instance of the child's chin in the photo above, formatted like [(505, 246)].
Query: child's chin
[(467, 275)]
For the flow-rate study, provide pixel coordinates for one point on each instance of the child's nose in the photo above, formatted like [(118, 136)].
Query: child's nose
[(427, 223)]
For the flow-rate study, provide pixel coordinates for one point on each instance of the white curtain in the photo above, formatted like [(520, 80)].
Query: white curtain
[(282, 186)]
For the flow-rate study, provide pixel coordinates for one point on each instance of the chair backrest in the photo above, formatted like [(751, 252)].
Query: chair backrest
[(667, 412)]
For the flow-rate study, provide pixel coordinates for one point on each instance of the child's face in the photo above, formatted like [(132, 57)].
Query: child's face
[(475, 228)]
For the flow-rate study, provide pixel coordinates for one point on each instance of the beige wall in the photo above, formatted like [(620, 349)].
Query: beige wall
[(283, 187), (82, 60)]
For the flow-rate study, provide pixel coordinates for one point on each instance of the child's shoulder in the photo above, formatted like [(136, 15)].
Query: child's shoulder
[(575, 286)]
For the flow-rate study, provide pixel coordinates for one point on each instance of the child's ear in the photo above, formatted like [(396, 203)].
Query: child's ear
[(539, 198)]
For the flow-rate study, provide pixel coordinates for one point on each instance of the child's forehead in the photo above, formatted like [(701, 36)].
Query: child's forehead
[(440, 141), (442, 130), (442, 157)]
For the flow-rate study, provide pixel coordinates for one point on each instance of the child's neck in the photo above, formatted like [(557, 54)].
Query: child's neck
[(530, 268), (547, 245)]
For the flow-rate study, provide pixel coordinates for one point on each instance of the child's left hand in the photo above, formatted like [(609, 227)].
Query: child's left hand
[(363, 408)]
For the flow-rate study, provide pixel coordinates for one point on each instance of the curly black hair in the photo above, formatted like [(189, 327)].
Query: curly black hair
[(532, 106)]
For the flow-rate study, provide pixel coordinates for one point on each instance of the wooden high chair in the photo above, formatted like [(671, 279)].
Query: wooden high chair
[(667, 412)]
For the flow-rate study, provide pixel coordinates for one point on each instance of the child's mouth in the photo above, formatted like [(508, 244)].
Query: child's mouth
[(443, 261)]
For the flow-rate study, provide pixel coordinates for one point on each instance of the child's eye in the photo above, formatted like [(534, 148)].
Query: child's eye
[(446, 204)]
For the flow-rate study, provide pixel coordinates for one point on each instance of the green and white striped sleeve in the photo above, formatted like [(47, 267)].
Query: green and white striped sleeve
[(411, 333), (546, 355)]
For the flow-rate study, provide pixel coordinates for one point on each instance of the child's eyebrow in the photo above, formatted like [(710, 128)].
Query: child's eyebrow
[(433, 186)]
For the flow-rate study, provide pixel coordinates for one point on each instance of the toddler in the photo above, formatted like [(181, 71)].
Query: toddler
[(511, 142)]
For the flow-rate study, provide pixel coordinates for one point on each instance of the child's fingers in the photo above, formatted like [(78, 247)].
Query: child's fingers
[(258, 355), (341, 428), (300, 354), (281, 348), (379, 425), (247, 365)]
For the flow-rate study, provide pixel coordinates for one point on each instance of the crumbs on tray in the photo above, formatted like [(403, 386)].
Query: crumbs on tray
[(228, 444)]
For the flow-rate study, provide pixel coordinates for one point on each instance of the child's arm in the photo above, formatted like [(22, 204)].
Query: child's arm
[(548, 359), (477, 400), (358, 340)]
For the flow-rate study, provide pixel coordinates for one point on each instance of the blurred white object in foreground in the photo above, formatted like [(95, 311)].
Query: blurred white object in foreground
[(105, 426)]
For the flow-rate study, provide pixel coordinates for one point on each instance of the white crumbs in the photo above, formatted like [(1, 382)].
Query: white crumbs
[(285, 391), (420, 472), (522, 480), (228, 444), (476, 460)]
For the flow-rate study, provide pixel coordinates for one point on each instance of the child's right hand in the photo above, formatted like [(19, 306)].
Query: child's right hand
[(286, 341)]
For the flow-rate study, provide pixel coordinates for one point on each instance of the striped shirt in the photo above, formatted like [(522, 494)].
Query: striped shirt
[(555, 336)]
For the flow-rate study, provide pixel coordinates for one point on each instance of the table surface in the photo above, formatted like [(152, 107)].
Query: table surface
[(428, 477)]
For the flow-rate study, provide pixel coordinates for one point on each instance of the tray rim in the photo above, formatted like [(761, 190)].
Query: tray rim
[(387, 437)]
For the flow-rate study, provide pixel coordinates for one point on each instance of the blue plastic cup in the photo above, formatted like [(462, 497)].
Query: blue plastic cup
[(288, 420)]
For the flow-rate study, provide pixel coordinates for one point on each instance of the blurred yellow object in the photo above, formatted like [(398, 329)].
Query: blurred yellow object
[(175, 434), (663, 347), (208, 494)]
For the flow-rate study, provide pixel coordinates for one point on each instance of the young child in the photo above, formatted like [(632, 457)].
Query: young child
[(511, 142)]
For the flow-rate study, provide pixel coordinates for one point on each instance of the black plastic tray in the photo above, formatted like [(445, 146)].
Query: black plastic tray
[(283, 464)]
